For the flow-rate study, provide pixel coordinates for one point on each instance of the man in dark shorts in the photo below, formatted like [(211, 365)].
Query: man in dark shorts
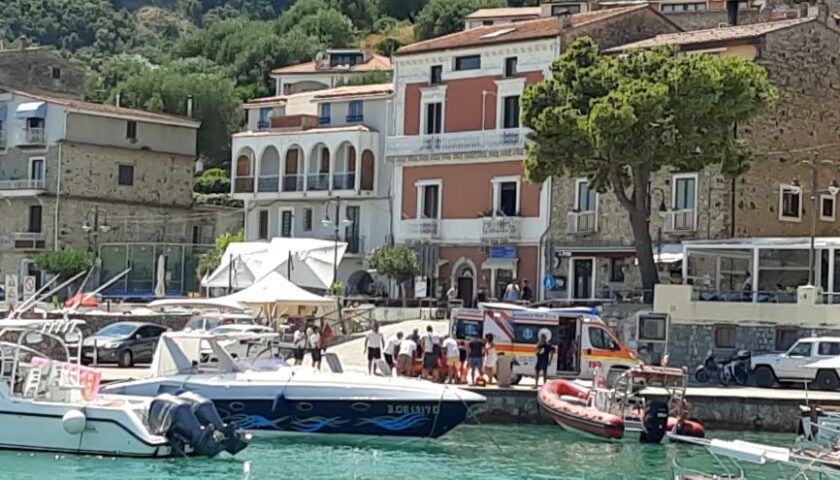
[(374, 344), (475, 353), (544, 351), (431, 354), (315, 347)]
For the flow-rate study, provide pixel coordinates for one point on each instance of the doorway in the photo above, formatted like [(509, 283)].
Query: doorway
[(583, 270), (568, 346), (465, 281)]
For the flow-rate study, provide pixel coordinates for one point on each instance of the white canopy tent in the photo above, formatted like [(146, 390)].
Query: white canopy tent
[(276, 296), (245, 263)]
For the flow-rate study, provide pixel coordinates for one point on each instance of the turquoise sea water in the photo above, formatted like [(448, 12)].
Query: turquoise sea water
[(470, 452)]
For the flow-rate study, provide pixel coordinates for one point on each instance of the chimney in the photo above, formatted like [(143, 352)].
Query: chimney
[(732, 12), (565, 17), (822, 11), (118, 100), (190, 106)]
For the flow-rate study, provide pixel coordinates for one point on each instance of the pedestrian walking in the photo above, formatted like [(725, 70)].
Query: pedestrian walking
[(374, 344)]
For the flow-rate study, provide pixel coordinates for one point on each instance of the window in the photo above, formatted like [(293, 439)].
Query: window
[(36, 168), (617, 269), (35, 218), (487, 23), (468, 328), (126, 175), (286, 217), (725, 336), (436, 77), (827, 208), (506, 197), (262, 227), (131, 130), (307, 219), (801, 350), (325, 119), (471, 62), (56, 73), (586, 200), (530, 333), (829, 349), (790, 203), (356, 113), (510, 66), (652, 327), (348, 59), (511, 112), (33, 122), (434, 118), (196, 234), (785, 337), (429, 200), (684, 192), (265, 114), (601, 340)]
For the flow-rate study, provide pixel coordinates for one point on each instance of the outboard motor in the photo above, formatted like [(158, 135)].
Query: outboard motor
[(655, 421), (207, 415), (176, 419)]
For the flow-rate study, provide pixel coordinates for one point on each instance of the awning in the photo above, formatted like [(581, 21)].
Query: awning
[(499, 264), (31, 110)]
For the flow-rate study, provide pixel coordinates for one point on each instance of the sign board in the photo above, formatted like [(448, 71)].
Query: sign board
[(11, 289), (549, 282), (421, 287), (30, 286), (507, 252)]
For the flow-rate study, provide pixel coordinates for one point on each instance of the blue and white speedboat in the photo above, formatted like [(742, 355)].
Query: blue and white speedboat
[(268, 396)]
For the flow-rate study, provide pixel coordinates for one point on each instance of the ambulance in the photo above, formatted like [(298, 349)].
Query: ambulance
[(584, 344)]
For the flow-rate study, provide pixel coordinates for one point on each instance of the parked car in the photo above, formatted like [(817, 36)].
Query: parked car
[(209, 321), (123, 343), (791, 366)]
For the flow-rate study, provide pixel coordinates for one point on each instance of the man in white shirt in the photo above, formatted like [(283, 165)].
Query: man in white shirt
[(315, 347), (300, 346), (392, 345), (374, 343), (405, 359), (431, 353), (453, 358)]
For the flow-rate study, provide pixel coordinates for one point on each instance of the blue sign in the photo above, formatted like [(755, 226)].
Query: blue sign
[(549, 282), (503, 252), (528, 334)]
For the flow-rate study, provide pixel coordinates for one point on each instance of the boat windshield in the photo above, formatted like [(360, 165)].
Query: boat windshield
[(117, 330)]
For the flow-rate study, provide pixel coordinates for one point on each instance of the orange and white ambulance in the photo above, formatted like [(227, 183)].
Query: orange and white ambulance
[(583, 343)]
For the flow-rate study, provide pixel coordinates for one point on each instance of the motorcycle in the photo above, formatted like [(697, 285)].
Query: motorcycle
[(735, 370)]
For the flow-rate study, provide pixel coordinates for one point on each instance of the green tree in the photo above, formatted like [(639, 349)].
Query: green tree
[(213, 259), (329, 27), (100, 85), (64, 263), (362, 12), (441, 17), (398, 263), (213, 180), (388, 46), (618, 119), (402, 9)]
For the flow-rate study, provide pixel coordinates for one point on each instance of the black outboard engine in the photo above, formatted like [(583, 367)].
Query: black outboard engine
[(176, 418), (207, 415), (655, 421)]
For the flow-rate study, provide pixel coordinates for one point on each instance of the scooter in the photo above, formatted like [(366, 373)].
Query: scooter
[(732, 371)]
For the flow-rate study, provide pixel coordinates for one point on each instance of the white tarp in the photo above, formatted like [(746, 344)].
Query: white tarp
[(275, 290), (199, 303), (245, 263)]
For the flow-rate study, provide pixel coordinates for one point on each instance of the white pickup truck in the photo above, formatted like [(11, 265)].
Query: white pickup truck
[(791, 365)]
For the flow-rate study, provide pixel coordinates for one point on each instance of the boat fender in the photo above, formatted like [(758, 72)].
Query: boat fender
[(74, 422)]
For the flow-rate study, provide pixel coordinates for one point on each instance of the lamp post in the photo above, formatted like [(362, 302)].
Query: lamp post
[(663, 209), (833, 189), (94, 228), (336, 223)]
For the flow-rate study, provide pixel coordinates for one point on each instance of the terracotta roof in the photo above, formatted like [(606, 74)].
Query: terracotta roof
[(320, 130), (519, 32), (505, 12), (109, 110), (262, 100), (713, 35), (355, 91), (375, 63)]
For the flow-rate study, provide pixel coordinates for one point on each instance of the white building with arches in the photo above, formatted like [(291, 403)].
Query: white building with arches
[(305, 156)]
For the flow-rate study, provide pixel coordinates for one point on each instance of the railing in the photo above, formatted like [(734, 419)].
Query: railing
[(268, 183), (775, 296), (500, 228), (29, 240), (324, 120), (460, 142), (318, 181), (29, 184), (293, 182), (35, 135), (243, 185), (680, 221), (355, 118), (582, 222), (344, 181), (263, 125), (423, 228)]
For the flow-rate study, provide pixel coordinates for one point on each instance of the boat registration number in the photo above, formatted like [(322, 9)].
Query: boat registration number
[(403, 409)]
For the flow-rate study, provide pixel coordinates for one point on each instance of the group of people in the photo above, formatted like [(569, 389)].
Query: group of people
[(441, 358), (308, 341)]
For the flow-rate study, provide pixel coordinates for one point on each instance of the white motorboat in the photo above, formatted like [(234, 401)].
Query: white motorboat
[(54, 406), (268, 396)]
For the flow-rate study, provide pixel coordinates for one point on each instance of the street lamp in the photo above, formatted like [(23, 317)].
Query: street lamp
[(662, 209), (833, 189), (94, 228), (336, 223)]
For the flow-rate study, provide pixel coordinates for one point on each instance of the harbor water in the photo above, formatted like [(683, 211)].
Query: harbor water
[(470, 452)]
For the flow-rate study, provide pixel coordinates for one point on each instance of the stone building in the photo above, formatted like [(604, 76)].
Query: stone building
[(41, 70), (81, 175)]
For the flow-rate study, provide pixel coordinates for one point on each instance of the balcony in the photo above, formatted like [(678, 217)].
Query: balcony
[(582, 223), (423, 228), (29, 241), (34, 136), (500, 228), (243, 185), (344, 181), (460, 142), (28, 184), (355, 118), (268, 183), (681, 221), (294, 122), (293, 183), (318, 182)]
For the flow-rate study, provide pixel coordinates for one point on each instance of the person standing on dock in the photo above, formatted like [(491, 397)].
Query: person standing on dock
[(299, 341), (476, 358), (453, 359), (405, 358), (374, 344), (431, 353), (490, 357), (392, 346), (527, 293), (315, 347), (544, 352)]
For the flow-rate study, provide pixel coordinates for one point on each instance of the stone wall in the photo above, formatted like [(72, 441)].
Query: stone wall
[(31, 69), (704, 20), (631, 27)]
